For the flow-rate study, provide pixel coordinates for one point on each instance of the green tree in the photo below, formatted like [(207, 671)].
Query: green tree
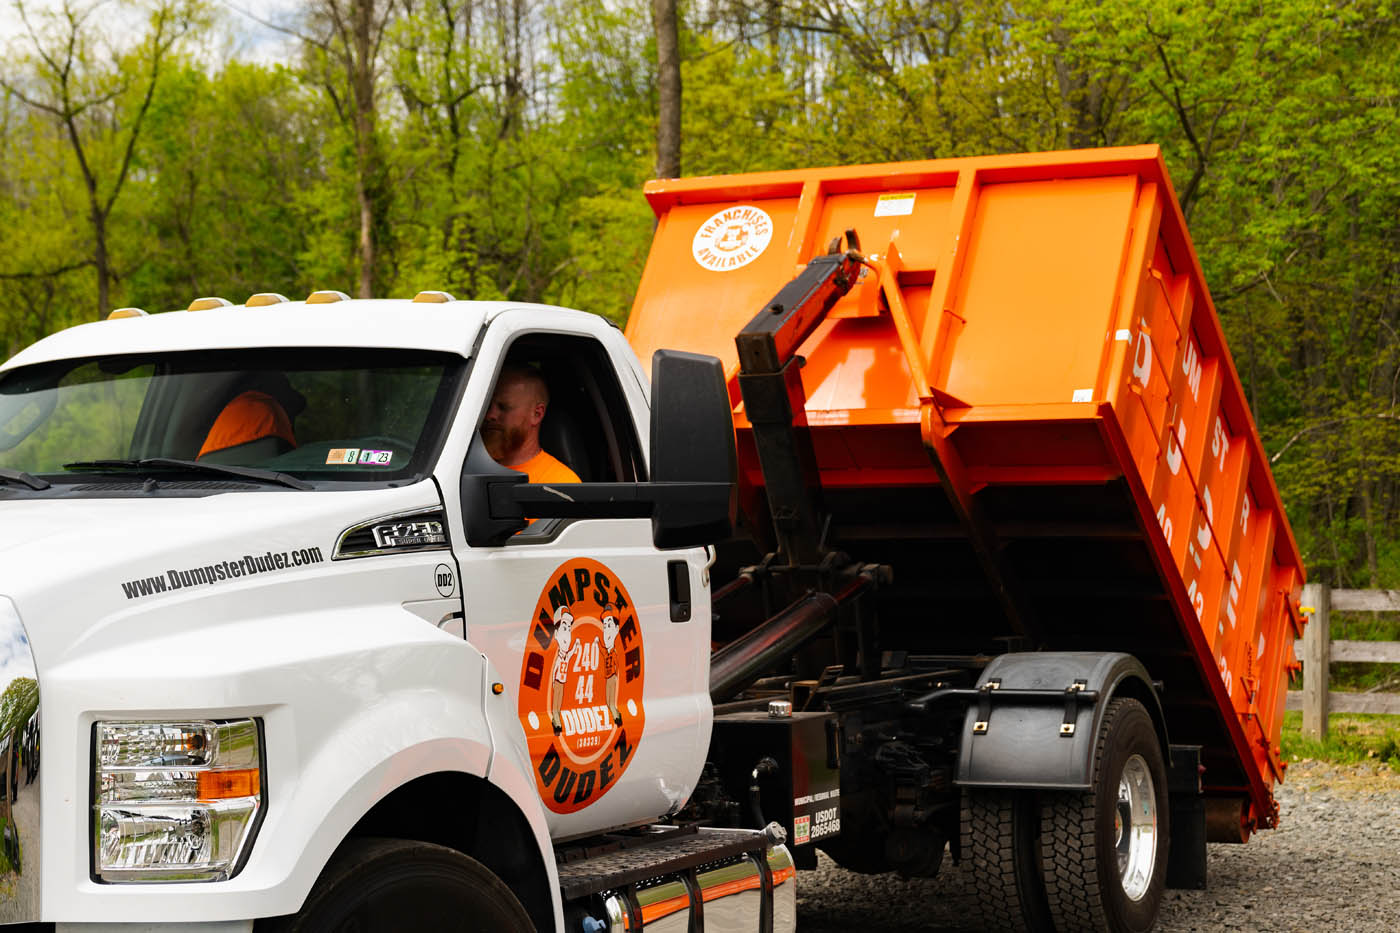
[(225, 163), (100, 108)]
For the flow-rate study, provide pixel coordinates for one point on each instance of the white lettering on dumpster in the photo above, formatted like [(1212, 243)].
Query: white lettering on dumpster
[(732, 238), (1142, 360), (1191, 369), (1174, 449)]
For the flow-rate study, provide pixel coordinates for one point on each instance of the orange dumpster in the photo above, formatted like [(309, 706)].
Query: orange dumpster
[(1036, 331)]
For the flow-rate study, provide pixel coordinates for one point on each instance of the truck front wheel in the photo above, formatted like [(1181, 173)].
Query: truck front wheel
[(1104, 854), (373, 885)]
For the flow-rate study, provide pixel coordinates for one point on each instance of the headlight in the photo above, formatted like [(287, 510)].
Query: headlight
[(174, 801)]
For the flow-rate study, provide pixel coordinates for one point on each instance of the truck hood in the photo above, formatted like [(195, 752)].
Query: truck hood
[(86, 574)]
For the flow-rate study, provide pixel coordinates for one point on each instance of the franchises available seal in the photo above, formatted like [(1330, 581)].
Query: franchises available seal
[(581, 685), (732, 238)]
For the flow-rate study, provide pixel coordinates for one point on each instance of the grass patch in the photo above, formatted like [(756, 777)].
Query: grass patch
[(1351, 738), (1365, 626)]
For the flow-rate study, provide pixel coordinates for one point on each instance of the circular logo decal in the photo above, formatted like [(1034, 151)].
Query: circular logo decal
[(581, 685), (445, 580), (732, 238)]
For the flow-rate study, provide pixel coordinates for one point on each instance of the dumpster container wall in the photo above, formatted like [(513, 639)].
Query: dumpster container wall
[(1047, 316)]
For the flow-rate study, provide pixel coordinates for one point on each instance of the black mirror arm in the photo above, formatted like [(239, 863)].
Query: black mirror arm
[(568, 500)]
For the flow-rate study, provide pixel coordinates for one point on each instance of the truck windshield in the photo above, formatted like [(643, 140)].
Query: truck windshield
[(323, 416)]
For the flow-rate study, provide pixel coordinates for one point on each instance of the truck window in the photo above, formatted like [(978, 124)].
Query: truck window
[(588, 423), (85, 414), (323, 415)]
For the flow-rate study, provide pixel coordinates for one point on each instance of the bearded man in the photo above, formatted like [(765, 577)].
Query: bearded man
[(511, 428)]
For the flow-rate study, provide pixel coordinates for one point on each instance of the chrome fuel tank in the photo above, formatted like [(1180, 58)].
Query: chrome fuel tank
[(734, 894)]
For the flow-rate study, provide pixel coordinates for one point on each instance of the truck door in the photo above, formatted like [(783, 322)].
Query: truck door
[(585, 621)]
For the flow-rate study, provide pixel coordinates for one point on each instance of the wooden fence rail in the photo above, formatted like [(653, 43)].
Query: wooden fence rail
[(1317, 651)]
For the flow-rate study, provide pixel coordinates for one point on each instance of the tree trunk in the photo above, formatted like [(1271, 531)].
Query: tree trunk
[(366, 152), (668, 89), (100, 261)]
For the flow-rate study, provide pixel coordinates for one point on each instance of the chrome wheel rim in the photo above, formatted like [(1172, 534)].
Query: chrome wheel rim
[(1135, 828)]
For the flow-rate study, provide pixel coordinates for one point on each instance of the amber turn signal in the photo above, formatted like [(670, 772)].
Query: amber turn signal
[(217, 785)]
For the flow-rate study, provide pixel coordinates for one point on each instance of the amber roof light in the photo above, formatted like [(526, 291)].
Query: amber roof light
[(126, 312), (204, 304), (433, 297), (325, 297)]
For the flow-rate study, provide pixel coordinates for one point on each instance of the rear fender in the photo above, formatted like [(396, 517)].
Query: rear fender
[(1025, 743)]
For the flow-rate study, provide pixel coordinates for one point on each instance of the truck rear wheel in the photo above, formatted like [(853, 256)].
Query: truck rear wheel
[(389, 885), (1000, 860), (1104, 854)]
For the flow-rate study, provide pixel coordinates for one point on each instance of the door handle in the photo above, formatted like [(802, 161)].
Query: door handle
[(678, 577)]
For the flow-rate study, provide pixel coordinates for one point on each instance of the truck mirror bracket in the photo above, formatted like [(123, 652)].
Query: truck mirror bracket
[(481, 477)]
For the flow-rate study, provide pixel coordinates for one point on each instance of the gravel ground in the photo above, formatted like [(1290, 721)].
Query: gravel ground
[(1332, 866)]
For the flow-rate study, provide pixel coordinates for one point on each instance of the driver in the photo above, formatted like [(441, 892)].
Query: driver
[(511, 428)]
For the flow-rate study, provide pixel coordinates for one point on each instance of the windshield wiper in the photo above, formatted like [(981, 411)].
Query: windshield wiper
[(23, 478), (194, 466)]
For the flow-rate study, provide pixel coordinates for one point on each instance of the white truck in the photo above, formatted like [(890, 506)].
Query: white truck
[(320, 693)]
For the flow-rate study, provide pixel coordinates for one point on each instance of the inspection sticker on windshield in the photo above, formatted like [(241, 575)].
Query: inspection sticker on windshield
[(376, 457), (343, 455)]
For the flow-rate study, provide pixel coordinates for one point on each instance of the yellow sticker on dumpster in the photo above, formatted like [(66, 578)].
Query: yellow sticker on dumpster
[(895, 205)]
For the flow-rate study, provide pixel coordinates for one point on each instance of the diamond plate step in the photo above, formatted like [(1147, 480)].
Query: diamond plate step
[(655, 852)]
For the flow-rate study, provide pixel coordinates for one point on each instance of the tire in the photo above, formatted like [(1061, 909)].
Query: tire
[(391, 885), (1104, 859), (1000, 860)]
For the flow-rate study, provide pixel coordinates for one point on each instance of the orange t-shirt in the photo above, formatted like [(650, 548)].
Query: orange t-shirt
[(251, 416), (542, 468)]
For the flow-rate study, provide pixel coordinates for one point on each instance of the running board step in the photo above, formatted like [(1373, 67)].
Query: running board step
[(653, 852), (671, 877)]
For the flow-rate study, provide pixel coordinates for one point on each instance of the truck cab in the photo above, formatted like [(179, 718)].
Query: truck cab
[(272, 596)]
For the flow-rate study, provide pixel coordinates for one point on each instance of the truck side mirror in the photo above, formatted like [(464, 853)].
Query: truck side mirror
[(692, 443)]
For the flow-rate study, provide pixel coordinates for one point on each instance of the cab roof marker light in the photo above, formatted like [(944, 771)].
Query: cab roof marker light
[(326, 296), (204, 304), (126, 312), (431, 297), (262, 299)]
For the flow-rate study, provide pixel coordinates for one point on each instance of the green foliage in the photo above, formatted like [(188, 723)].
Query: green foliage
[(508, 145), (18, 703), (227, 161)]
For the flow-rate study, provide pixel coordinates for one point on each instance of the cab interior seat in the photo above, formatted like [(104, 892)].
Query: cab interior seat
[(562, 437)]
